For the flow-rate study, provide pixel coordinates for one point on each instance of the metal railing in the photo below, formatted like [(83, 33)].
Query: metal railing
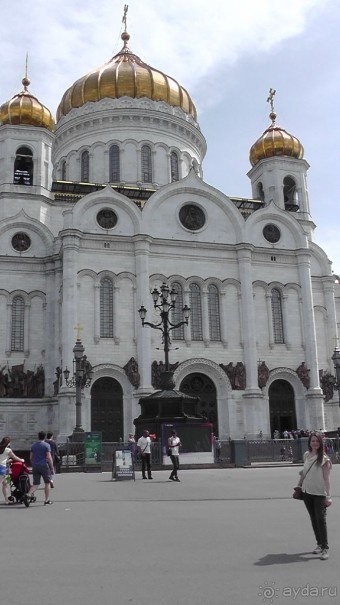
[(255, 450)]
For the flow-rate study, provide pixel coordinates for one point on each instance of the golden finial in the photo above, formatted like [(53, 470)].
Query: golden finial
[(270, 100), (125, 36), (26, 82), (79, 328)]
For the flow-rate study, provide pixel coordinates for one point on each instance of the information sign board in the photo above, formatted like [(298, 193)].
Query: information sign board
[(123, 467), (93, 448)]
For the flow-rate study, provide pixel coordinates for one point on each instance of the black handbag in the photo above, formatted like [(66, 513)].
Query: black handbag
[(298, 493), (169, 451)]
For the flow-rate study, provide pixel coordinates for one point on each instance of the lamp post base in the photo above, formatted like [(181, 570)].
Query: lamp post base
[(78, 435)]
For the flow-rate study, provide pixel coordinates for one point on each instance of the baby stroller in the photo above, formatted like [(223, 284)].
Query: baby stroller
[(20, 483)]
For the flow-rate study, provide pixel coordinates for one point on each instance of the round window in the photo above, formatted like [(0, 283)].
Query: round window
[(107, 218), (271, 233), (21, 242), (192, 217)]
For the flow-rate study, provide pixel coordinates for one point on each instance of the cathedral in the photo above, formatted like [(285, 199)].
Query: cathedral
[(106, 203)]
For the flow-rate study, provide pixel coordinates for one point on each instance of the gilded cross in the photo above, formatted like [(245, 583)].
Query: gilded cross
[(126, 8), (79, 328), (272, 93)]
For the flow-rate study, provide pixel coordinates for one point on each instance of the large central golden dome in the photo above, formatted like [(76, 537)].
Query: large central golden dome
[(126, 75)]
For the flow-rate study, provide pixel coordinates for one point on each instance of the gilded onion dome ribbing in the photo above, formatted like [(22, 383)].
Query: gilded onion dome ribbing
[(26, 110), (126, 75), (275, 141)]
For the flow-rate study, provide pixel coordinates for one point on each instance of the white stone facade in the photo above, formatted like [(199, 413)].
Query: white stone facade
[(59, 276)]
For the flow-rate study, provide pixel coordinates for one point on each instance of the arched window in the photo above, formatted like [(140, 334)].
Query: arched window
[(177, 313), (85, 167), (290, 194), (196, 312), (63, 170), (114, 164), (174, 167), (146, 164), (17, 328), (23, 167), (106, 308), (277, 316), (214, 313)]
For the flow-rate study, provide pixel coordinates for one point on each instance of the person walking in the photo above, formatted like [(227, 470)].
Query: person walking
[(54, 453), (5, 455), (174, 443), (315, 484), (42, 466), (144, 447)]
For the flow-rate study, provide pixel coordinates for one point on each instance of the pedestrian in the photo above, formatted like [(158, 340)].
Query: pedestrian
[(174, 443), (42, 466), (54, 453), (132, 446), (144, 447), (6, 454), (315, 484), (217, 448)]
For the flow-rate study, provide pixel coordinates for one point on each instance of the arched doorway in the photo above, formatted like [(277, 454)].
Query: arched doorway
[(199, 385), (282, 407), (107, 409)]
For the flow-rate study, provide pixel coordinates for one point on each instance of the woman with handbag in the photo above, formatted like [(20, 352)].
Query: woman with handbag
[(315, 485)]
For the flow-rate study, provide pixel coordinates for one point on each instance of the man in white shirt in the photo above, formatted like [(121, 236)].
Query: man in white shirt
[(144, 447), (174, 444)]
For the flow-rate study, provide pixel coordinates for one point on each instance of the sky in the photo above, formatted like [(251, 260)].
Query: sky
[(226, 53)]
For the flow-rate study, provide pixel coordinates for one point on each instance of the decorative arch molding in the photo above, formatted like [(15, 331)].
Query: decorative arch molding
[(108, 197), (322, 310), (98, 145), (232, 282), (87, 273), (273, 212), (21, 220), (292, 286), (283, 373), (195, 280), (37, 294), (113, 371), (204, 366), (126, 275)]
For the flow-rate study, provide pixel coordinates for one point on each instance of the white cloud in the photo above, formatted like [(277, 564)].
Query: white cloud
[(188, 40)]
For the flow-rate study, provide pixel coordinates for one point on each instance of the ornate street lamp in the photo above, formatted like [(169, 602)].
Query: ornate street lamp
[(81, 377), (336, 362), (165, 301)]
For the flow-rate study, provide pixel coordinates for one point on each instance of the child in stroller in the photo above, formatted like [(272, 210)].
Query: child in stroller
[(20, 483)]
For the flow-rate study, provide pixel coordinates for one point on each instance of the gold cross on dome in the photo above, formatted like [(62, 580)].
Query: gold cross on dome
[(79, 329), (272, 93), (126, 8)]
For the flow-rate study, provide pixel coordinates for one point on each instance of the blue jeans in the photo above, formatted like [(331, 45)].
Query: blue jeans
[(317, 512)]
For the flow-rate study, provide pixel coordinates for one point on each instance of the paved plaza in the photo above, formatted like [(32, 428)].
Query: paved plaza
[(229, 536)]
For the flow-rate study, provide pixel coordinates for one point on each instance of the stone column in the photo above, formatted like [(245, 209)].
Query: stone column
[(314, 393), (143, 335), (248, 317)]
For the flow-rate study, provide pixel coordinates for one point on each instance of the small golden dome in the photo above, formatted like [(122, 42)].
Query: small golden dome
[(126, 75), (25, 110), (275, 141)]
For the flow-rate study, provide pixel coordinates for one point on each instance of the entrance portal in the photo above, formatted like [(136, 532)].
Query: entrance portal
[(282, 407), (199, 385), (107, 409)]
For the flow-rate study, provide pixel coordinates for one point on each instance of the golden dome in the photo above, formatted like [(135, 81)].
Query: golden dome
[(25, 110), (126, 75), (275, 141)]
